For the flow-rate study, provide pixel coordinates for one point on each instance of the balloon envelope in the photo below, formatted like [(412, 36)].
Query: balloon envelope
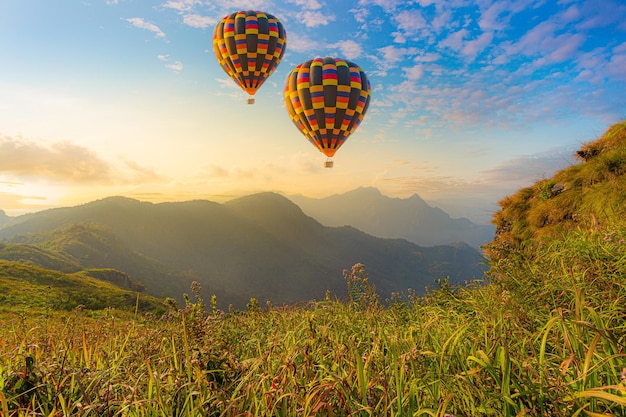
[(326, 99), (249, 45)]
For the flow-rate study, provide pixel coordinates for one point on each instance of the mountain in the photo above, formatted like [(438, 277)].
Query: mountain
[(4, 219), (259, 246), (94, 246), (586, 195), (412, 219), (31, 287)]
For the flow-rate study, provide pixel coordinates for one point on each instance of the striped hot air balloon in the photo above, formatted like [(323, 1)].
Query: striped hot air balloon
[(249, 45), (327, 99)]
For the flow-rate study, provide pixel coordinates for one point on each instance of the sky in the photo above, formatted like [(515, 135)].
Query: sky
[(471, 100)]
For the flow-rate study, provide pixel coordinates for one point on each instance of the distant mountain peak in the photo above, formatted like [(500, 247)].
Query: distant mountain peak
[(4, 218), (367, 209)]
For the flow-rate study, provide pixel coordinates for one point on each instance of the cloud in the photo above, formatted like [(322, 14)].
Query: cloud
[(360, 14), (414, 73), (140, 23), (602, 13), (307, 4), (199, 21), (410, 21), (454, 40), (61, 161), (349, 48), (176, 66), (617, 63), (387, 5), (474, 47), (182, 5), (314, 19), (393, 54), (301, 43), (15, 204)]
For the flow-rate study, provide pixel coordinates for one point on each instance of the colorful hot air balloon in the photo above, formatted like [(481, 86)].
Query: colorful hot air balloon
[(249, 45), (326, 99)]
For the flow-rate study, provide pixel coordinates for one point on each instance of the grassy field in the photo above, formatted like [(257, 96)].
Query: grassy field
[(540, 337)]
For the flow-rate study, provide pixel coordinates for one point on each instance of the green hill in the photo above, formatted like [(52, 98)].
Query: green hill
[(260, 246), (38, 256), (32, 288), (586, 195)]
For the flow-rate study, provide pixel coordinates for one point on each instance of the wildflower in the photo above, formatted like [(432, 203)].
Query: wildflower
[(623, 378), (196, 287)]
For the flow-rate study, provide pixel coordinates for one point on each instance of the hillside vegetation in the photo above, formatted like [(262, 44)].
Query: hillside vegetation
[(543, 335), (587, 195), (30, 289)]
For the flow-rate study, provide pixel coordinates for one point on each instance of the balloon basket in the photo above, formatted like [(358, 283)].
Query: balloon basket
[(250, 100), (328, 164)]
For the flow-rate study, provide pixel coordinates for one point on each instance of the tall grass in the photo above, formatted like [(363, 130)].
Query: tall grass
[(540, 338)]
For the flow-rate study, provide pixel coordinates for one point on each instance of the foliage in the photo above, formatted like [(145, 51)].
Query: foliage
[(29, 288), (585, 195), (541, 338)]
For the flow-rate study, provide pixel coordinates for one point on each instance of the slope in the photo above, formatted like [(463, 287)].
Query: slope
[(586, 195), (33, 288), (259, 246)]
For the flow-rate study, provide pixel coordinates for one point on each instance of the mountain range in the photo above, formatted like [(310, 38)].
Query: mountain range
[(261, 246), (412, 218)]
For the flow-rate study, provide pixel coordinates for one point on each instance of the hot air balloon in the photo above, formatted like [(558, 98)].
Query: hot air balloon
[(326, 99), (249, 45)]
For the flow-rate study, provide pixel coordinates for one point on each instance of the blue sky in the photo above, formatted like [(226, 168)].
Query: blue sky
[(471, 100)]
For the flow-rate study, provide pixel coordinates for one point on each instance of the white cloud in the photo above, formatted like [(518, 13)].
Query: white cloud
[(62, 161), (199, 21), (615, 67), (414, 73), (443, 20), (313, 19), (307, 4), (182, 5), (176, 66), (455, 40), (560, 48), (387, 5), (299, 43), (410, 21), (360, 14), (393, 54), (349, 48), (398, 37), (474, 47), (65, 162), (428, 57), (390, 56), (140, 23)]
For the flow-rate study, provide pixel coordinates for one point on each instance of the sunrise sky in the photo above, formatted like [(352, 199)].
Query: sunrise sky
[(471, 100)]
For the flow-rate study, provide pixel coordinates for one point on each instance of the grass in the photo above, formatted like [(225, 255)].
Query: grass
[(542, 337), (588, 194)]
